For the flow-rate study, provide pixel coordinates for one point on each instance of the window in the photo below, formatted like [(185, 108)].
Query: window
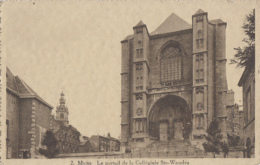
[(139, 76), (139, 53), (199, 68), (61, 116), (199, 34), (140, 125), (171, 64), (200, 121), (199, 40), (197, 44), (248, 104), (139, 30), (7, 130), (199, 19)]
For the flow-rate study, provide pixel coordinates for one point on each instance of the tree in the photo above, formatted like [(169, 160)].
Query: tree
[(233, 140), (50, 142), (214, 137), (245, 57)]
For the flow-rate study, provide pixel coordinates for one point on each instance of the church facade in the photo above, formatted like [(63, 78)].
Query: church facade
[(173, 81)]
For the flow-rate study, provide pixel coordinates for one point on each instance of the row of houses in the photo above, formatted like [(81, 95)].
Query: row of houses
[(28, 118)]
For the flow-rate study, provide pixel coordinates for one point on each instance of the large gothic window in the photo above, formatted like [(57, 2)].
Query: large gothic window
[(171, 64)]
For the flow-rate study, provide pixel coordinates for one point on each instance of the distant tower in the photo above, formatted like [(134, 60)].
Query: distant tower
[(62, 112)]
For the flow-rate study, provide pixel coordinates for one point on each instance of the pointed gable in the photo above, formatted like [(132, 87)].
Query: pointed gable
[(16, 85), (140, 23), (199, 11), (172, 24)]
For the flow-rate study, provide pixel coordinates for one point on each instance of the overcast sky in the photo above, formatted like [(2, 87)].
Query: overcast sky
[(75, 45)]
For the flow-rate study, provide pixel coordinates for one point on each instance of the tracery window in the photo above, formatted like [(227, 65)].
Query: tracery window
[(199, 40), (139, 76), (140, 126), (199, 68), (200, 121), (171, 64)]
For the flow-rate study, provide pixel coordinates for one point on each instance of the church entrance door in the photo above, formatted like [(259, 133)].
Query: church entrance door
[(164, 131), (170, 118), (178, 126)]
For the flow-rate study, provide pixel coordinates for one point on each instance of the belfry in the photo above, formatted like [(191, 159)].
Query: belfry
[(173, 81), (62, 112)]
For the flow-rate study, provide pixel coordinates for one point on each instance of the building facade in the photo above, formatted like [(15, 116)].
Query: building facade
[(67, 135), (173, 81), (104, 144), (28, 117), (85, 145), (100, 143), (114, 143), (247, 82)]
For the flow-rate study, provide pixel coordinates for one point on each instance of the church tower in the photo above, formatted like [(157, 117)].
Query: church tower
[(62, 112), (201, 113)]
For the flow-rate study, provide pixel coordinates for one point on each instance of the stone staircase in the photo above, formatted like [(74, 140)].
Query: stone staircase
[(168, 149)]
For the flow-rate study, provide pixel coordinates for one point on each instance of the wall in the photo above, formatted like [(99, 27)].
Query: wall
[(12, 117), (25, 122)]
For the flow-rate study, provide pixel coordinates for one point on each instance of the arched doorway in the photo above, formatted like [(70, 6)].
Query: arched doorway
[(170, 118)]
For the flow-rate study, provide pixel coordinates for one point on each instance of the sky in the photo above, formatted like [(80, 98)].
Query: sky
[(75, 46)]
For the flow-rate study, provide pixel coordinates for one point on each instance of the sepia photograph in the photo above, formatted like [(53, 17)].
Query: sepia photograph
[(157, 82)]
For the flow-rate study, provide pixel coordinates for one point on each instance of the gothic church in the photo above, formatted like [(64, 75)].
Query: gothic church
[(173, 81)]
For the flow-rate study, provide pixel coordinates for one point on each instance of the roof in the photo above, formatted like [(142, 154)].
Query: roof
[(199, 11), (129, 37), (216, 21), (62, 126), (10, 81), (73, 128), (140, 23), (245, 75), (83, 142), (16, 85), (172, 24), (114, 139)]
